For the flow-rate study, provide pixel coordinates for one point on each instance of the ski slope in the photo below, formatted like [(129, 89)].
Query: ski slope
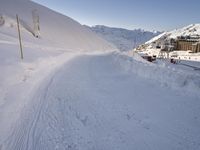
[(92, 103)]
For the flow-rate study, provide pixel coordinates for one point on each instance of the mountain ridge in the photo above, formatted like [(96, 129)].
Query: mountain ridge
[(123, 39), (189, 30)]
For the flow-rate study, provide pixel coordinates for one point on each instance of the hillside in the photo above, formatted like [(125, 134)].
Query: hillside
[(124, 39), (182, 44), (192, 30), (55, 28)]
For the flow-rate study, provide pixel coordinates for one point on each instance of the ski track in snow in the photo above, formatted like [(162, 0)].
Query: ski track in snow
[(91, 104)]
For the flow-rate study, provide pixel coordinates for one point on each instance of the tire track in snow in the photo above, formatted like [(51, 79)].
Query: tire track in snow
[(32, 131), (24, 136), (88, 104)]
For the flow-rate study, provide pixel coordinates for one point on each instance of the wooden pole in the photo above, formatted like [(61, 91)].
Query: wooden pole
[(20, 39)]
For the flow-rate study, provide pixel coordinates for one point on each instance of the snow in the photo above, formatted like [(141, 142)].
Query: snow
[(190, 30), (81, 94), (178, 55), (177, 79), (55, 28), (83, 106), (156, 38), (123, 39)]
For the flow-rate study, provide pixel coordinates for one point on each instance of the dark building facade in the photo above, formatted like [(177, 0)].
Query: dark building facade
[(186, 45)]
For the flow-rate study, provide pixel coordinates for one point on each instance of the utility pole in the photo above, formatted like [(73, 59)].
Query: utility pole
[(20, 39)]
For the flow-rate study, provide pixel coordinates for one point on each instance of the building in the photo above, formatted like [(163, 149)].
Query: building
[(188, 44), (167, 45)]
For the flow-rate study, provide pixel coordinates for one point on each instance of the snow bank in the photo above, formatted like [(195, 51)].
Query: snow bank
[(176, 79)]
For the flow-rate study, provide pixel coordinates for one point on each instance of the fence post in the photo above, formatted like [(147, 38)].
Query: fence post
[(20, 39)]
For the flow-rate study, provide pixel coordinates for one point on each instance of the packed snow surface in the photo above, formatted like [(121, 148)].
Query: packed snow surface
[(92, 102), (80, 95)]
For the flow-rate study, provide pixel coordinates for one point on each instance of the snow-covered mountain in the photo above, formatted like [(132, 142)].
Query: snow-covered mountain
[(124, 39), (171, 41), (192, 30), (54, 27)]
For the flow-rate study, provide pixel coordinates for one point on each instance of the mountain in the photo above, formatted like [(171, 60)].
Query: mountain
[(54, 27), (192, 30), (124, 39), (182, 44)]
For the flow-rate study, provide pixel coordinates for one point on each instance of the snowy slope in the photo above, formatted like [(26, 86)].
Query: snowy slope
[(124, 39), (56, 28), (191, 30), (20, 79)]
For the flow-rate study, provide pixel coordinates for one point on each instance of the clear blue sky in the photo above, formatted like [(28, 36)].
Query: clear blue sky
[(146, 14)]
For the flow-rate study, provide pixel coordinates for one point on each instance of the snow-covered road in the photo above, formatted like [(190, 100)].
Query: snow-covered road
[(91, 103)]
